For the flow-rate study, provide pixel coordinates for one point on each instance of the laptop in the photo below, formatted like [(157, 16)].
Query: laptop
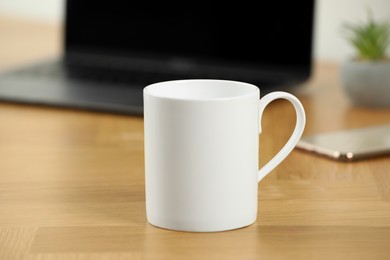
[(112, 50)]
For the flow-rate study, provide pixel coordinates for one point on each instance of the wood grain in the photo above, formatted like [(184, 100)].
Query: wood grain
[(15, 242), (72, 182)]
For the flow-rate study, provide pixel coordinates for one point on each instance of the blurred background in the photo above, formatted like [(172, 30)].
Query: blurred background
[(329, 43)]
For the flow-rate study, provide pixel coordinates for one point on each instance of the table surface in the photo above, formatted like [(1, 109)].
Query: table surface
[(72, 182)]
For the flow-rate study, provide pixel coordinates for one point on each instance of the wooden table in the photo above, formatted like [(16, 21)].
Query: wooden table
[(72, 182)]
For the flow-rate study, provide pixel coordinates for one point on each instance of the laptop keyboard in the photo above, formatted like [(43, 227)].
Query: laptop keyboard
[(124, 77), (108, 75)]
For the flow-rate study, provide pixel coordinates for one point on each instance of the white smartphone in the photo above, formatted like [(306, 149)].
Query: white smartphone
[(349, 145)]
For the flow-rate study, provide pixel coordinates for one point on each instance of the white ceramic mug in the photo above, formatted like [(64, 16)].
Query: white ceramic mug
[(201, 152)]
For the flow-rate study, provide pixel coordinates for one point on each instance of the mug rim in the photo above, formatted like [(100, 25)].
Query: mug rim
[(250, 89)]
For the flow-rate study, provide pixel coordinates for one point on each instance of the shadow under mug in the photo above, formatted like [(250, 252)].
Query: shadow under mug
[(201, 152)]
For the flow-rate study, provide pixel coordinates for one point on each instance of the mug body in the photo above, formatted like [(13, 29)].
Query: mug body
[(201, 154)]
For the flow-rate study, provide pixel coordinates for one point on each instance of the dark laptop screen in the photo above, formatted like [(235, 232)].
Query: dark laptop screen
[(261, 34)]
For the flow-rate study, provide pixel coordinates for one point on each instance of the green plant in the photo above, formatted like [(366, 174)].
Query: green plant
[(370, 38)]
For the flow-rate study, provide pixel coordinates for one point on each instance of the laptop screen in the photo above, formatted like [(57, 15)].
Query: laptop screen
[(269, 34)]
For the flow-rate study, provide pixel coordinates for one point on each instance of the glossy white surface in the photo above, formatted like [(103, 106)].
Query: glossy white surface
[(201, 153)]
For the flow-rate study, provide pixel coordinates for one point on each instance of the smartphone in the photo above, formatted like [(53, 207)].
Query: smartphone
[(349, 145)]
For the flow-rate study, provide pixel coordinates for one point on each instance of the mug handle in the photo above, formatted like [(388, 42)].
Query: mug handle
[(296, 135)]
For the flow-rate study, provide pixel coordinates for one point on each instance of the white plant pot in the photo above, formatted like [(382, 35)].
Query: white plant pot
[(367, 83)]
